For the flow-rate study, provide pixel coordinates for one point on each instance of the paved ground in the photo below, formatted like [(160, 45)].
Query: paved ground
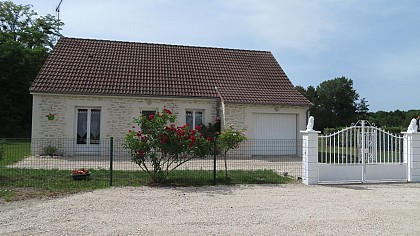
[(293, 209)]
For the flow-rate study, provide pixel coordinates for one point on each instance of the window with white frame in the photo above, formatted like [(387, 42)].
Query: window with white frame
[(194, 118)]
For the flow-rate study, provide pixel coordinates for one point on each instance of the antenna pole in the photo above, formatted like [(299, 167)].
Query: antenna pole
[(57, 9)]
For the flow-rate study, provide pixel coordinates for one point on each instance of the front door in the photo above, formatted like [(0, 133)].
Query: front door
[(88, 135)]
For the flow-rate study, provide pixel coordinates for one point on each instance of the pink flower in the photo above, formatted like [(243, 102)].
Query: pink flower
[(151, 117), (140, 152)]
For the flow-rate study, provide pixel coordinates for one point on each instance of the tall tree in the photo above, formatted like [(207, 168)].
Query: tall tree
[(25, 41), (336, 103), (362, 109)]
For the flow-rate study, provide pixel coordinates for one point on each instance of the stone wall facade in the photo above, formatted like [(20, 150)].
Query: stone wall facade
[(117, 113)]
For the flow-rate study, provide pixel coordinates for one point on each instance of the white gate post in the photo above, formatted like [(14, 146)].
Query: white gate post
[(412, 155), (310, 175)]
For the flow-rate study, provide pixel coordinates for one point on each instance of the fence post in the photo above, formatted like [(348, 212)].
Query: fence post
[(310, 175), (412, 155), (214, 159), (111, 158)]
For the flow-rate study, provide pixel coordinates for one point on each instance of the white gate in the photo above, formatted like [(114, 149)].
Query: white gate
[(361, 153)]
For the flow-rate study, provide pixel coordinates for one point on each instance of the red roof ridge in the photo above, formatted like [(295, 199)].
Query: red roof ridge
[(165, 44)]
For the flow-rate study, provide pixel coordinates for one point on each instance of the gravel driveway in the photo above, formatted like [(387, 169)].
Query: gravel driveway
[(293, 209)]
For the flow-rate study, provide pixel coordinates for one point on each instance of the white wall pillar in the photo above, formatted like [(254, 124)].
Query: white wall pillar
[(412, 155), (310, 175)]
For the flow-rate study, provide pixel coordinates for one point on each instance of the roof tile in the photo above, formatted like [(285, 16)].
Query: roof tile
[(142, 69)]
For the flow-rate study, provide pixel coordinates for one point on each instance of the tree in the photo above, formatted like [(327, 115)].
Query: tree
[(19, 23), (229, 139), (25, 42), (336, 103), (395, 120), (362, 109)]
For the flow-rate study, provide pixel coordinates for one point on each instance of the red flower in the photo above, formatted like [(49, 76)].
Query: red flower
[(129, 130), (193, 131), (210, 139), (192, 138), (198, 127), (167, 111), (140, 152), (180, 132), (151, 117), (163, 138), (139, 133)]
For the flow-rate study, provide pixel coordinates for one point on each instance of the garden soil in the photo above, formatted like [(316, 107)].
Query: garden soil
[(292, 209)]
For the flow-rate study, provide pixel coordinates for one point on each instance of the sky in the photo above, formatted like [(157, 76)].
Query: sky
[(376, 43)]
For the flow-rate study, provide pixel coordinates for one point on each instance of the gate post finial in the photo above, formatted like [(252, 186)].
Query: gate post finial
[(310, 126), (412, 128)]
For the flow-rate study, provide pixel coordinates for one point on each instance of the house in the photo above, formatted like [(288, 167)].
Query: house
[(92, 89)]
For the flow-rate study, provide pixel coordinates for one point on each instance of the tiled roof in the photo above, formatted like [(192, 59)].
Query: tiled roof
[(86, 66)]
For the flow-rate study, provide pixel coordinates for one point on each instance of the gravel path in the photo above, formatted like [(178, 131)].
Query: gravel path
[(293, 209)]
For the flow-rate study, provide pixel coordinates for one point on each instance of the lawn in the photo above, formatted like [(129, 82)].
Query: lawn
[(21, 183)]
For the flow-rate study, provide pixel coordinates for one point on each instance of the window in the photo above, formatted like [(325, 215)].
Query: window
[(194, 118), (147, 113), (88, 126)]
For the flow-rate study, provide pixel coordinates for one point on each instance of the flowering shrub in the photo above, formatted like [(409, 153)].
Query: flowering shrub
[(159, 146), (81, 171)]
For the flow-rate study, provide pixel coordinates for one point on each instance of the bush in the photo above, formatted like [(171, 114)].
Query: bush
[(159, 147), (49, 151), (229, 139), (394, 130), (2, 148)]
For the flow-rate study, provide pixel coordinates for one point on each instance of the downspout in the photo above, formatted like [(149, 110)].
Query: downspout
[(222, 104)]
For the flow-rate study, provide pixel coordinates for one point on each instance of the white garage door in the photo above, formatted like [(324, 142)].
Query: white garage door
[(274, 134)]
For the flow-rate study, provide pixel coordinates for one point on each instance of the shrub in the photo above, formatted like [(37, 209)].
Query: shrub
[(229, 139), (2, 148), (159, 147), (394, 130), (49, 151)]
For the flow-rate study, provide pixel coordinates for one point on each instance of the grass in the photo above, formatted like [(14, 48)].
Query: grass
[(15, 151), (17, 184)]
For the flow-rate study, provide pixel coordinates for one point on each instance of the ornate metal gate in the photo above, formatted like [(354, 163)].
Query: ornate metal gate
[(361, 153)]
